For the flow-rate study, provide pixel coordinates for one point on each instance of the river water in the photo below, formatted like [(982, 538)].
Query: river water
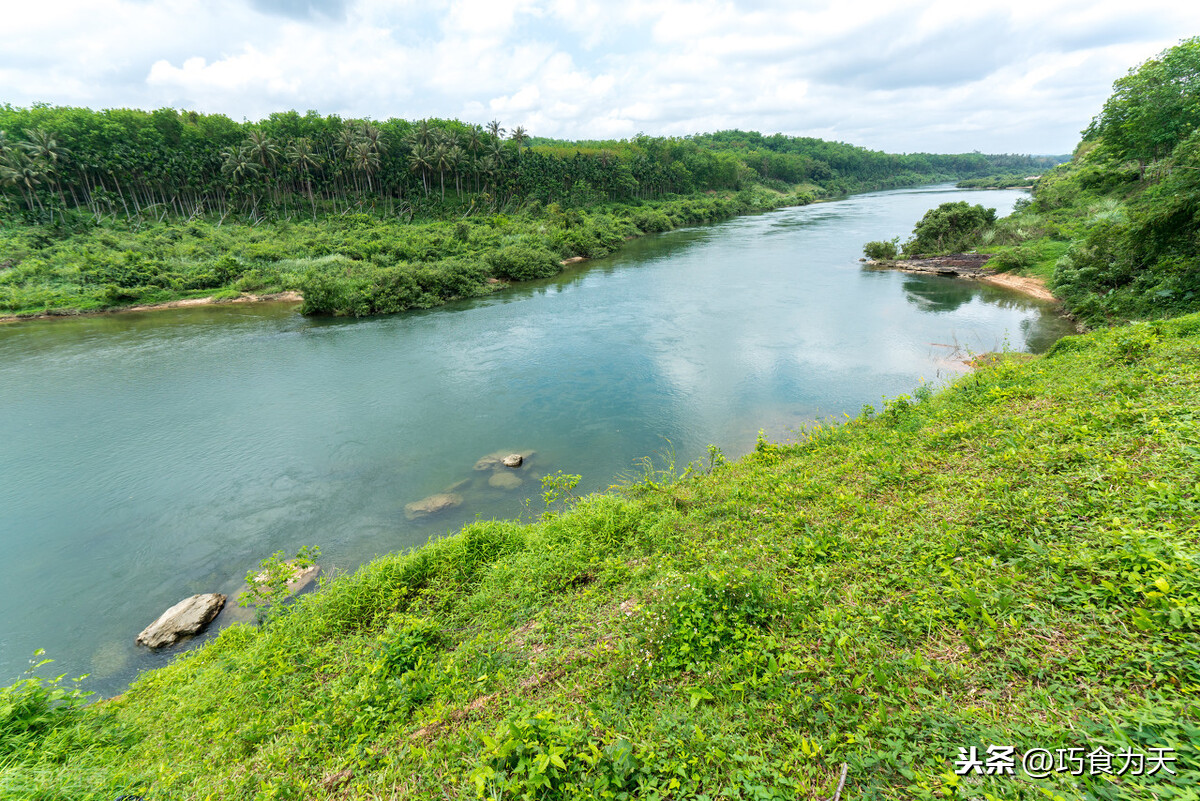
[(149, 456)]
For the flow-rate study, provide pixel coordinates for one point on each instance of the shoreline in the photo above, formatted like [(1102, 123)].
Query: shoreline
[(290, 296), (970, 266)]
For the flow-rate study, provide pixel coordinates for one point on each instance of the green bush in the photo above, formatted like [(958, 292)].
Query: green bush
[(1016, 259), (881, 251), (949, 227), (523, 263)]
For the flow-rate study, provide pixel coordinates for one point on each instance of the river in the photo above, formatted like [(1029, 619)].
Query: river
[(149, 456)]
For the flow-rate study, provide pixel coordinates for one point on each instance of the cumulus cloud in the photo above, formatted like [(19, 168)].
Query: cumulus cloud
[(934, 75)]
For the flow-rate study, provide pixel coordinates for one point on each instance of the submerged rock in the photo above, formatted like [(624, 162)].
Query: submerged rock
[(432, 505), (502, 459), (184, 619), (504, 480), (490, 462)]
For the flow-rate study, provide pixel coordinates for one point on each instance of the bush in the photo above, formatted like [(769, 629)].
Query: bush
[(949, 227), (1016, 259), (522, 263), (881, 251)]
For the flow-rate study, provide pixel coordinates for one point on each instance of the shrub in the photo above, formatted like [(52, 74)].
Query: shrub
[(522, 263), (881, 251), (1016, 259), (949, 227)]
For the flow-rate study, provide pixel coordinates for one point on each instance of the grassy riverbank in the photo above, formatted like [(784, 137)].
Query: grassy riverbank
[(1011, 561), (349, 264)]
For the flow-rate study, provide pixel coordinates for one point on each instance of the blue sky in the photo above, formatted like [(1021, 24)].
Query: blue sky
[(1013, 76)]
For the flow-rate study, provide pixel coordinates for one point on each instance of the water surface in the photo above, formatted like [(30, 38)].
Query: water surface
[(150, 456)]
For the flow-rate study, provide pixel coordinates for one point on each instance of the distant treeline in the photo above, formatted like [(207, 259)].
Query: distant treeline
[(171, 164)]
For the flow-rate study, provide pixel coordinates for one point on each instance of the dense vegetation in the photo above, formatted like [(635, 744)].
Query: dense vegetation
[(112, 208), (1116, 231), (352, 264)]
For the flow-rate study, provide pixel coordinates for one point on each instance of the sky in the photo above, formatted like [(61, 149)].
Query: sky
[(1019, 76)]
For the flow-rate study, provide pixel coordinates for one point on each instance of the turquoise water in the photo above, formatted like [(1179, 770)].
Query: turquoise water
[(150, 456)]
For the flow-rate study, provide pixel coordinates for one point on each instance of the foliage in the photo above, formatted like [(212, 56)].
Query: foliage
[(268, 583), (33, 707), (948, 228), (1153, 107), (522, 263), (882, 251)]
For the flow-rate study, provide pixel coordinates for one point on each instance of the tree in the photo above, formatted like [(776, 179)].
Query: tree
[(420, 160), (519, 135), (1152, 108), (948, 227), (303, 160)]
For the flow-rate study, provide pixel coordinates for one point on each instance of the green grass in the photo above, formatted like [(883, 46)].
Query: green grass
[(351, 264), (1010, 561)]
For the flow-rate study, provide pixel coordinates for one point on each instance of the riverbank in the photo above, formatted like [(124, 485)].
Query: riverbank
[(953, 568), (275, 297), (970, 266), (351, 264)]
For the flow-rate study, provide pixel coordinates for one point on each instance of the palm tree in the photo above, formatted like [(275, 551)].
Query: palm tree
[(489, 167), (441, 160), (17, 169), (374, 136), (44, 154), (365, 160), (419, 161), (518, 135), (423, 134), (456, 156), (302, 158), (494, 129), (262, 148)]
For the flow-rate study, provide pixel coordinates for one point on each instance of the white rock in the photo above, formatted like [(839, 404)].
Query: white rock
[(185, 618)]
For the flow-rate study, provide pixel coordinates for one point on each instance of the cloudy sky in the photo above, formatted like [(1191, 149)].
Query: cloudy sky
[(945, 76)]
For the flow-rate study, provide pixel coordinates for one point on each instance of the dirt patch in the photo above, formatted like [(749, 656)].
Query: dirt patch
[(277, 297), (1027, 284)]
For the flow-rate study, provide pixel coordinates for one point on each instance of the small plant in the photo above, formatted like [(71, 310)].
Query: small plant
[(707, 614), (269, 582), (33, 705), (1016, 259), (559, 487)]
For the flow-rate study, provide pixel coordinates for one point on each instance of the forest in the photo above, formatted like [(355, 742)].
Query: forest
[(167, 164)]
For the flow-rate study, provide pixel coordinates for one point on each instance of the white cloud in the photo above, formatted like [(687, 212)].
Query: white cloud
[(941, 76)]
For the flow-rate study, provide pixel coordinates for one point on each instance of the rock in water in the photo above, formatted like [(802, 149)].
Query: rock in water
[(185, 618), (432, 505), (513, 460), (504, 481)]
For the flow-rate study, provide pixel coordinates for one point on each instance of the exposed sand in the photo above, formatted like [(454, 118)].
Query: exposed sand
[(285, 297), (1028, 284)]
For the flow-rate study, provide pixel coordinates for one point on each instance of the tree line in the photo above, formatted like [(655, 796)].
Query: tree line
[(182, 164)]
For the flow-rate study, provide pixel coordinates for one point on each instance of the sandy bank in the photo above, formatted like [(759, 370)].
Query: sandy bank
[(282, 297)]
